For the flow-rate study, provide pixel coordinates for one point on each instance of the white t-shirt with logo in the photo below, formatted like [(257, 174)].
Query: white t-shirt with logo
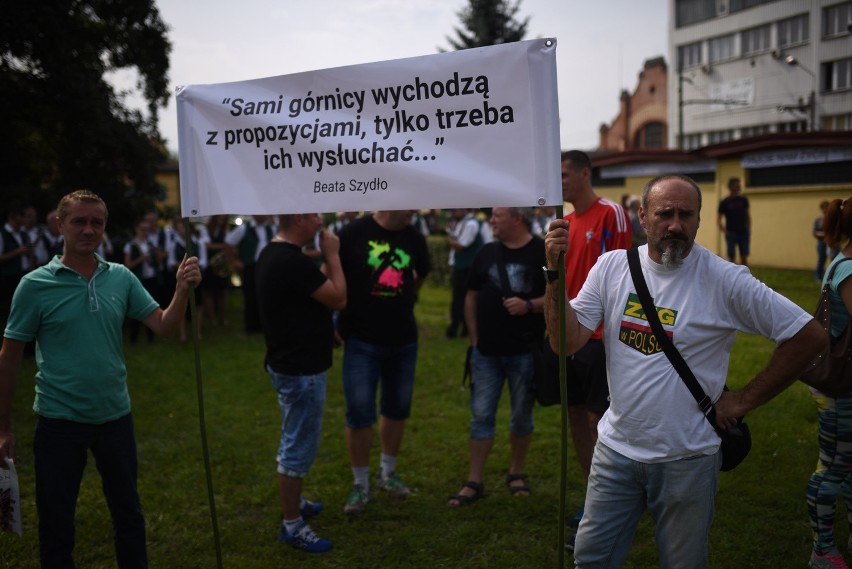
[(702, 304)]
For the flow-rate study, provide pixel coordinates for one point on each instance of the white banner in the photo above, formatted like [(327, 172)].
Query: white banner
[(471, 128)]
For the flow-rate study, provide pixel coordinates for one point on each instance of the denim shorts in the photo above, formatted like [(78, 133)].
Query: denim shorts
[(301, 398), (367, 365), (486, 386)]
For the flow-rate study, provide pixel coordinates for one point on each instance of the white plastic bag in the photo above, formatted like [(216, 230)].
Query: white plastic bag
[(10, 499)]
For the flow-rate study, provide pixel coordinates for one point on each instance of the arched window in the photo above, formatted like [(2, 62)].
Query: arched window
[(652, 135)]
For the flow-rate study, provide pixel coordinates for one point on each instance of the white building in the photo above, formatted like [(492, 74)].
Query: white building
[(747, 67)]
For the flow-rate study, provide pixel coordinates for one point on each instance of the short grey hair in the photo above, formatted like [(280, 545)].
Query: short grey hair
[(526, 213)]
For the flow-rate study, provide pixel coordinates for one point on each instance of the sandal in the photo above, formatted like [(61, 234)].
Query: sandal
[(521, 488), (463, 499)]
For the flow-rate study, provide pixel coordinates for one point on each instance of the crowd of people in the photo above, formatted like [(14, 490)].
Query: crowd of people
[(307, 286)]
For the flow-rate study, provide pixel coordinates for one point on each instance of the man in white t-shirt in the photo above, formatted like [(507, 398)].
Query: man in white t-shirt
[(656, 450)]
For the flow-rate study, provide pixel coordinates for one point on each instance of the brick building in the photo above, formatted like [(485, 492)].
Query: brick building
[(641, 122)]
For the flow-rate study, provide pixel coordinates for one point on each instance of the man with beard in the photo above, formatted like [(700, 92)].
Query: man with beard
[(656, 450)]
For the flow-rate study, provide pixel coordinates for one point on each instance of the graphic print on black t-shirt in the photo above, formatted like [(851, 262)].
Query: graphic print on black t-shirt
[(388, 264)]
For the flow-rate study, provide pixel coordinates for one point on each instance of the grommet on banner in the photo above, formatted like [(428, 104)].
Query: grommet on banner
[(541, 201), (194, 212)]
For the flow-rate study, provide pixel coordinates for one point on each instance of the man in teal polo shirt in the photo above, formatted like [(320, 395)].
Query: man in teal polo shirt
[(74, 308)]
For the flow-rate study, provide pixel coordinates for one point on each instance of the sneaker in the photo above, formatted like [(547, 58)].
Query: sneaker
[(310, 509), (827, 561), (570, 541), (357, 500), (305, 539), (393, 485)]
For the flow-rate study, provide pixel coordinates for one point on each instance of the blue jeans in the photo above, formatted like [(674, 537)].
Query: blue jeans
[(301, 398), (680, 496), (486, 386), (364, 367), (60, 450)]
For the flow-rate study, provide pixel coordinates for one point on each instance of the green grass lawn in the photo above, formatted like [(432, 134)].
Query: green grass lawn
[(761, 518)]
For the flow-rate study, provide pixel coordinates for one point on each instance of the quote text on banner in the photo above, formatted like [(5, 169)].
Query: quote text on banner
[(471, 128)]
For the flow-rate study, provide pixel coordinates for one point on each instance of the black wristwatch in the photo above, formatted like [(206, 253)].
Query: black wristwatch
[(550, 275)]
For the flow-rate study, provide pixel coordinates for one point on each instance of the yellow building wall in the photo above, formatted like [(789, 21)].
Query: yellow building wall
[(171, 181), (782, 221)]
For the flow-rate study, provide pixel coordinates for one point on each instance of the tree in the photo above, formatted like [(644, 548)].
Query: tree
[(64, 125), (489, 22)]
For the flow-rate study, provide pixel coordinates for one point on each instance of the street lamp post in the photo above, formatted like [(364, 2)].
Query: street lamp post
[(794, 62), (680, 109)]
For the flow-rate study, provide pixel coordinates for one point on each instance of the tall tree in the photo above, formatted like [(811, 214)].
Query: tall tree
[(489, 22), (64, 125)]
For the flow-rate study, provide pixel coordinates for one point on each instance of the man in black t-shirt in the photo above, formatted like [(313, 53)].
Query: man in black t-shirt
[(295, 299), (737, 226), (503, 310), (385, 261)]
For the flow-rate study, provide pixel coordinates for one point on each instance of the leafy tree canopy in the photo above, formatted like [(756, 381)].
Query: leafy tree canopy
[(489, 22), (64, 126)]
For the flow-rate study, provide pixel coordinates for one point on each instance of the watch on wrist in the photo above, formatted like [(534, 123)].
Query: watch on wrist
[(550, 275), (529, 306)]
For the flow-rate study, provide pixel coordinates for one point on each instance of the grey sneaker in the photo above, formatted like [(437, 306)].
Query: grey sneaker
[(393, 486), (357, 500)]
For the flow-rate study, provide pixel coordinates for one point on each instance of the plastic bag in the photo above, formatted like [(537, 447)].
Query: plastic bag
[(10, 499)]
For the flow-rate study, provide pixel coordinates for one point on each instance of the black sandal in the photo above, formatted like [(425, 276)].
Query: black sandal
[(515, 489), (464, 500)]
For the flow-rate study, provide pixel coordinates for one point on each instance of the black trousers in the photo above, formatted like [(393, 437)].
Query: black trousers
[(459, 283)]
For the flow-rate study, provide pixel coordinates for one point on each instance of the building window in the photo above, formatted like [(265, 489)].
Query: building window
[(795, 126), (750, 131), (691, 141), (755, 40), (693, 11), (738, 5), (837, 122), (689, 55), (836, 19), (800, 175), (793, 30), (650, 136), (717, 136), (837, 74), (722, 48)]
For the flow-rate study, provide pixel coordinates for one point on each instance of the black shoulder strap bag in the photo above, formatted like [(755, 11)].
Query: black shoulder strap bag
[(736, 441)]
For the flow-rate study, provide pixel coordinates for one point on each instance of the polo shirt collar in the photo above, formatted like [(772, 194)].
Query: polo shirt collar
[(55, 265)]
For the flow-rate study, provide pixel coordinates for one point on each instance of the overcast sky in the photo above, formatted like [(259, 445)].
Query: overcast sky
[(601, 47)]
